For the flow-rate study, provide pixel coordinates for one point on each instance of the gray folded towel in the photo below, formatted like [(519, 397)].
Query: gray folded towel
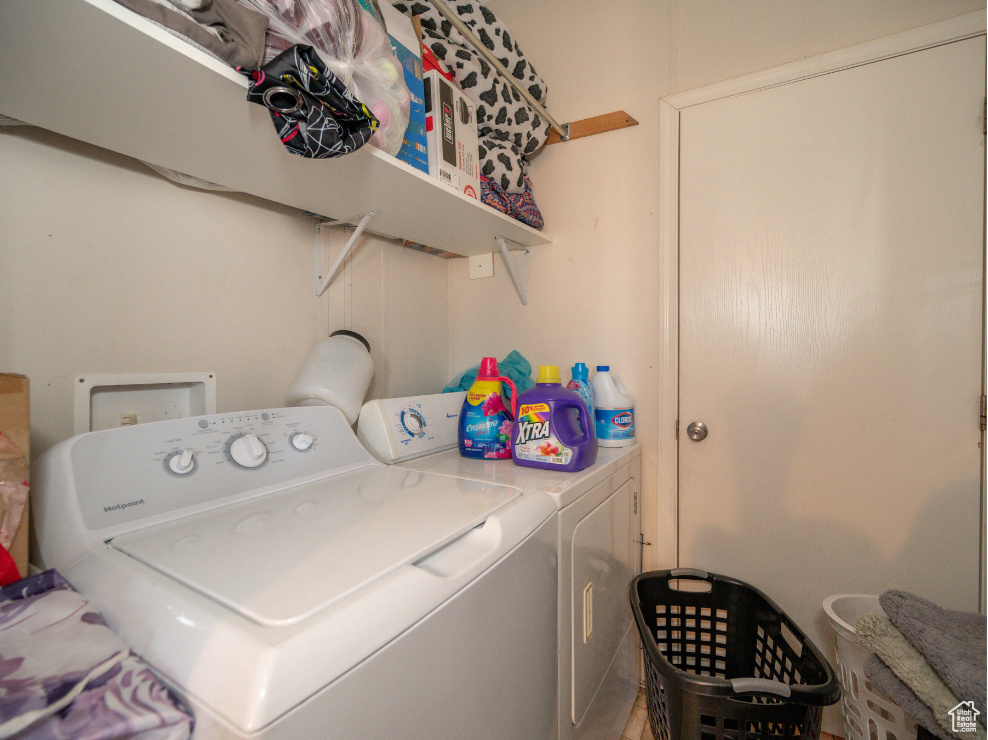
[(879, 636), (885, 680), (953, 643)]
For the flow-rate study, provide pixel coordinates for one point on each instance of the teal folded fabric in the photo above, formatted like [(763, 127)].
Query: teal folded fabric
[(514, 366)]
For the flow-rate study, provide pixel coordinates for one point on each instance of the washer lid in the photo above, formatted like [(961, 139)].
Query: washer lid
[(280, 558)]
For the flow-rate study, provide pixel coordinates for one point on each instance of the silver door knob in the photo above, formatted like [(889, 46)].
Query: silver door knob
[(697, 431)]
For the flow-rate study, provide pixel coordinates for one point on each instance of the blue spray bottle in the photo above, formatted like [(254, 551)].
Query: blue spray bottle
[(581, 384)]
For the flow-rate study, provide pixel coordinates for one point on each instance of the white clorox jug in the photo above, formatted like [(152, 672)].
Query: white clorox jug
[(336, 372), (614, 415)]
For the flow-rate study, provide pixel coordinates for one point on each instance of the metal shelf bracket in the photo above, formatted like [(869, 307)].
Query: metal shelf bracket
[(520, 281), (322, 283)]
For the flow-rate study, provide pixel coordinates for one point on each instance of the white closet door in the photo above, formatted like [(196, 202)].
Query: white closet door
[(831, 257)]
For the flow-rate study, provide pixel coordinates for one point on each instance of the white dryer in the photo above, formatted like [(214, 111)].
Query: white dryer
[(598, 547), (287, 585)]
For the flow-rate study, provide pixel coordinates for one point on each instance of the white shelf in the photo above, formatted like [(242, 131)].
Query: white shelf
[(94, 71)]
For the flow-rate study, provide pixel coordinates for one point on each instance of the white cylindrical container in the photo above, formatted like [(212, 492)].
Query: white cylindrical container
[(614, 415), (336, 372)]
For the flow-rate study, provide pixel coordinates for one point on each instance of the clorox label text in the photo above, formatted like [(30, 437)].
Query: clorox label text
[(623, 420)]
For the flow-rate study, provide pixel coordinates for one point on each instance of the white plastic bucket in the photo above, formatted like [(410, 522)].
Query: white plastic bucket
[(868, 714), (336, 372)]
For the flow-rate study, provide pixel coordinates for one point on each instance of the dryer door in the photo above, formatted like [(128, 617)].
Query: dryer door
[(602, 569)]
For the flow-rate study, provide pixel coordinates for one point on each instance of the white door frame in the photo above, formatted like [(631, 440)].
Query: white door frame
[(955, 29)]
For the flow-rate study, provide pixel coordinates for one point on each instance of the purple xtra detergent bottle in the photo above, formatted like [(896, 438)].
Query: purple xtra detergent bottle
[(553, 429)]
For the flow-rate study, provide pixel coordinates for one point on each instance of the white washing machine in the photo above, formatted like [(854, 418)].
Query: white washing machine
[(598, 544), (288, 585)]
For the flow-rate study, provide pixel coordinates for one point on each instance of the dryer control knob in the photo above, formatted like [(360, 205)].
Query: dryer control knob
[(248, 451), (302, 441), (182, 463)]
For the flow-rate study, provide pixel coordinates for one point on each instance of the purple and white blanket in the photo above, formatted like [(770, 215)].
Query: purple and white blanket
[(64, 674)]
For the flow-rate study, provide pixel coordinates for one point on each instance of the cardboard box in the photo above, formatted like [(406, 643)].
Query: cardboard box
[(15, 424), (407, 47), (451, 130)]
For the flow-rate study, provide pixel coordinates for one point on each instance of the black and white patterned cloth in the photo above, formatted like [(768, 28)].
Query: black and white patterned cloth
[(508, 128), (313, 112)]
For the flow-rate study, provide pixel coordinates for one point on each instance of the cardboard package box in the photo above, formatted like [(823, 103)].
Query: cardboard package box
[(451, 130), (15, 437)]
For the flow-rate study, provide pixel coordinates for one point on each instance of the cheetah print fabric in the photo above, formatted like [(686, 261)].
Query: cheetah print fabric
[(507, 128)]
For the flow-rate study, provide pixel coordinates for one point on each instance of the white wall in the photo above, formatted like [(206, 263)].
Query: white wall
[(719, 39), (107, 267), (397, 299), (593, 293)]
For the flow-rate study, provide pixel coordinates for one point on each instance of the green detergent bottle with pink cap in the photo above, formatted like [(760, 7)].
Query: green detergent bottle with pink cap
[(553, 429)]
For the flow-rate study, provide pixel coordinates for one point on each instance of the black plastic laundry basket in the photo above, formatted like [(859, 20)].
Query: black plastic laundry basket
[(725, 663)]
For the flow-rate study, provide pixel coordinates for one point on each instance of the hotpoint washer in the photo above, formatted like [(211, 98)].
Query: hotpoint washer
[(598, 545), (287, 585)]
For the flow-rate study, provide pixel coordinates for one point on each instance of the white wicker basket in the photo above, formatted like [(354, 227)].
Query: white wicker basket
[(868, 714)]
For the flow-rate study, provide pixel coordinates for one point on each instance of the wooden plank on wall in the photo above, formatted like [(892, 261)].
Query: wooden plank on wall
[(596, 125)]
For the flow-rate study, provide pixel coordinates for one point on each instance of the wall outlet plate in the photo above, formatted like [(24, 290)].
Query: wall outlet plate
[(481, 266)]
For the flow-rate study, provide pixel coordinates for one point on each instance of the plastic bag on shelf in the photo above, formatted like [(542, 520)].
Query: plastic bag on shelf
[(188, 180), (354, 45)]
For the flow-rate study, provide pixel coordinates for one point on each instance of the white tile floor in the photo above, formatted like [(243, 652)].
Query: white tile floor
[(637, 727)]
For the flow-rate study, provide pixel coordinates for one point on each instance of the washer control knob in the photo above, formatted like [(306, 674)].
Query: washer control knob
[(248, 451), (413, 422), (182, 463), (302, 441)]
